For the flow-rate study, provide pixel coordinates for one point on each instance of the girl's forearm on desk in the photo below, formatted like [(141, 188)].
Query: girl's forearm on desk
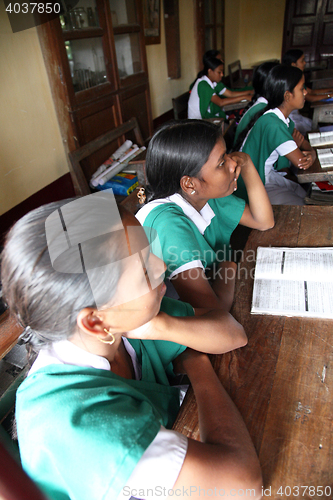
[(224, 284), (226, 456)]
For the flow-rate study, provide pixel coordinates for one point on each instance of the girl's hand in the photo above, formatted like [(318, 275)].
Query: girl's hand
[(150, 330), (242, 159), (307, 160), (298, 137)]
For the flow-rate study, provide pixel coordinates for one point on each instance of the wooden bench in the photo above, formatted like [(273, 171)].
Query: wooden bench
[(179, 105)]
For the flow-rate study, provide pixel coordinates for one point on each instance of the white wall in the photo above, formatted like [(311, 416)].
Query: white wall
[(163, 89), (253, 30), (31, 154)]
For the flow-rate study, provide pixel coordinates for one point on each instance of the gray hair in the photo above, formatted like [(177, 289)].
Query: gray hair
[(46, 301)]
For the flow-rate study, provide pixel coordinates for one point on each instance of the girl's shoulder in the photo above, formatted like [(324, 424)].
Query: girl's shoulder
[(157, 211), (271, 119)]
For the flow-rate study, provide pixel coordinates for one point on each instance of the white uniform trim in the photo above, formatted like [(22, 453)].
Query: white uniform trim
[(201, 219), (186, 267), (259, 100), (160, 465), (282, 150), (194, 101)]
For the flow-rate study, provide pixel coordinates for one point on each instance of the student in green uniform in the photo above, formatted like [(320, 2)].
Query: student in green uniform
[(295, 57), (95, 413), (209, 95), (259, 103), (273, 136), (194, 211)]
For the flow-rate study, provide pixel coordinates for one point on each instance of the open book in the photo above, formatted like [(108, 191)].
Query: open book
[(320, 138), (294, 282), (325, 157)]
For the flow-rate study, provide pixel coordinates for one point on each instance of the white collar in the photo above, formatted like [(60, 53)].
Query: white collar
[(200, 219), (279, 114), (206, 79), (67, 353), (260, 99)]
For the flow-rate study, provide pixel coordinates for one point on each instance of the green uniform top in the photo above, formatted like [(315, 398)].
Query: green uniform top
[(270, 138), (200, 105), (190, 238), (82, 430), (258, 106)]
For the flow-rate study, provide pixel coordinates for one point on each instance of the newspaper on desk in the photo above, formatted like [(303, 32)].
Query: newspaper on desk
[(294, 282)]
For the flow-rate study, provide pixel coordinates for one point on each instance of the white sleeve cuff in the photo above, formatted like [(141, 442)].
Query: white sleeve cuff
[(158, 469), (185, 267), (286, 148)]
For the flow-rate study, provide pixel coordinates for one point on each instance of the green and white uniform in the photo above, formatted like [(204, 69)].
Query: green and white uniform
[(258, 106), (189, 238), (85, 433), (270, 138), (200, 105)]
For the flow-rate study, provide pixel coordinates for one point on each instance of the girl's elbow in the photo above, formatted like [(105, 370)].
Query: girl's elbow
[(243, 340), (254, 482), (240, 339), (268, 224)]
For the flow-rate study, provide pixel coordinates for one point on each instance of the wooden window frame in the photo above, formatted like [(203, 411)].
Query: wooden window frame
[(201, 28)]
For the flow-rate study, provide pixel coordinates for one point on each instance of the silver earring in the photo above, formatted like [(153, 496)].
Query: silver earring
[(193, 192)]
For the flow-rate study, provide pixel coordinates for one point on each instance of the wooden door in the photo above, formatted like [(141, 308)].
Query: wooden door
[(308, 26)]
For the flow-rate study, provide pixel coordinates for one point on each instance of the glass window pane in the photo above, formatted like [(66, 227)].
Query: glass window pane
[(208, 39), (128, 54), (86, 62), (84, 15), (123, 12), (208, 11)]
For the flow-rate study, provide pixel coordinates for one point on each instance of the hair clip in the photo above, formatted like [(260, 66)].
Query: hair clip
[(27, 334), (141, 195)]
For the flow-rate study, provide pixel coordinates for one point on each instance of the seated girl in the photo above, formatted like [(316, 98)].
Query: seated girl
[(295, 57), (194, 211), (94, 414), (259, 99), (209, 95), (273, 136)]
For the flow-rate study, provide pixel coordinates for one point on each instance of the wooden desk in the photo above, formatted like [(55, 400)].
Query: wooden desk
[(322, 112), (322, 79), (281, 381), (237, 105), (315, 173)]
